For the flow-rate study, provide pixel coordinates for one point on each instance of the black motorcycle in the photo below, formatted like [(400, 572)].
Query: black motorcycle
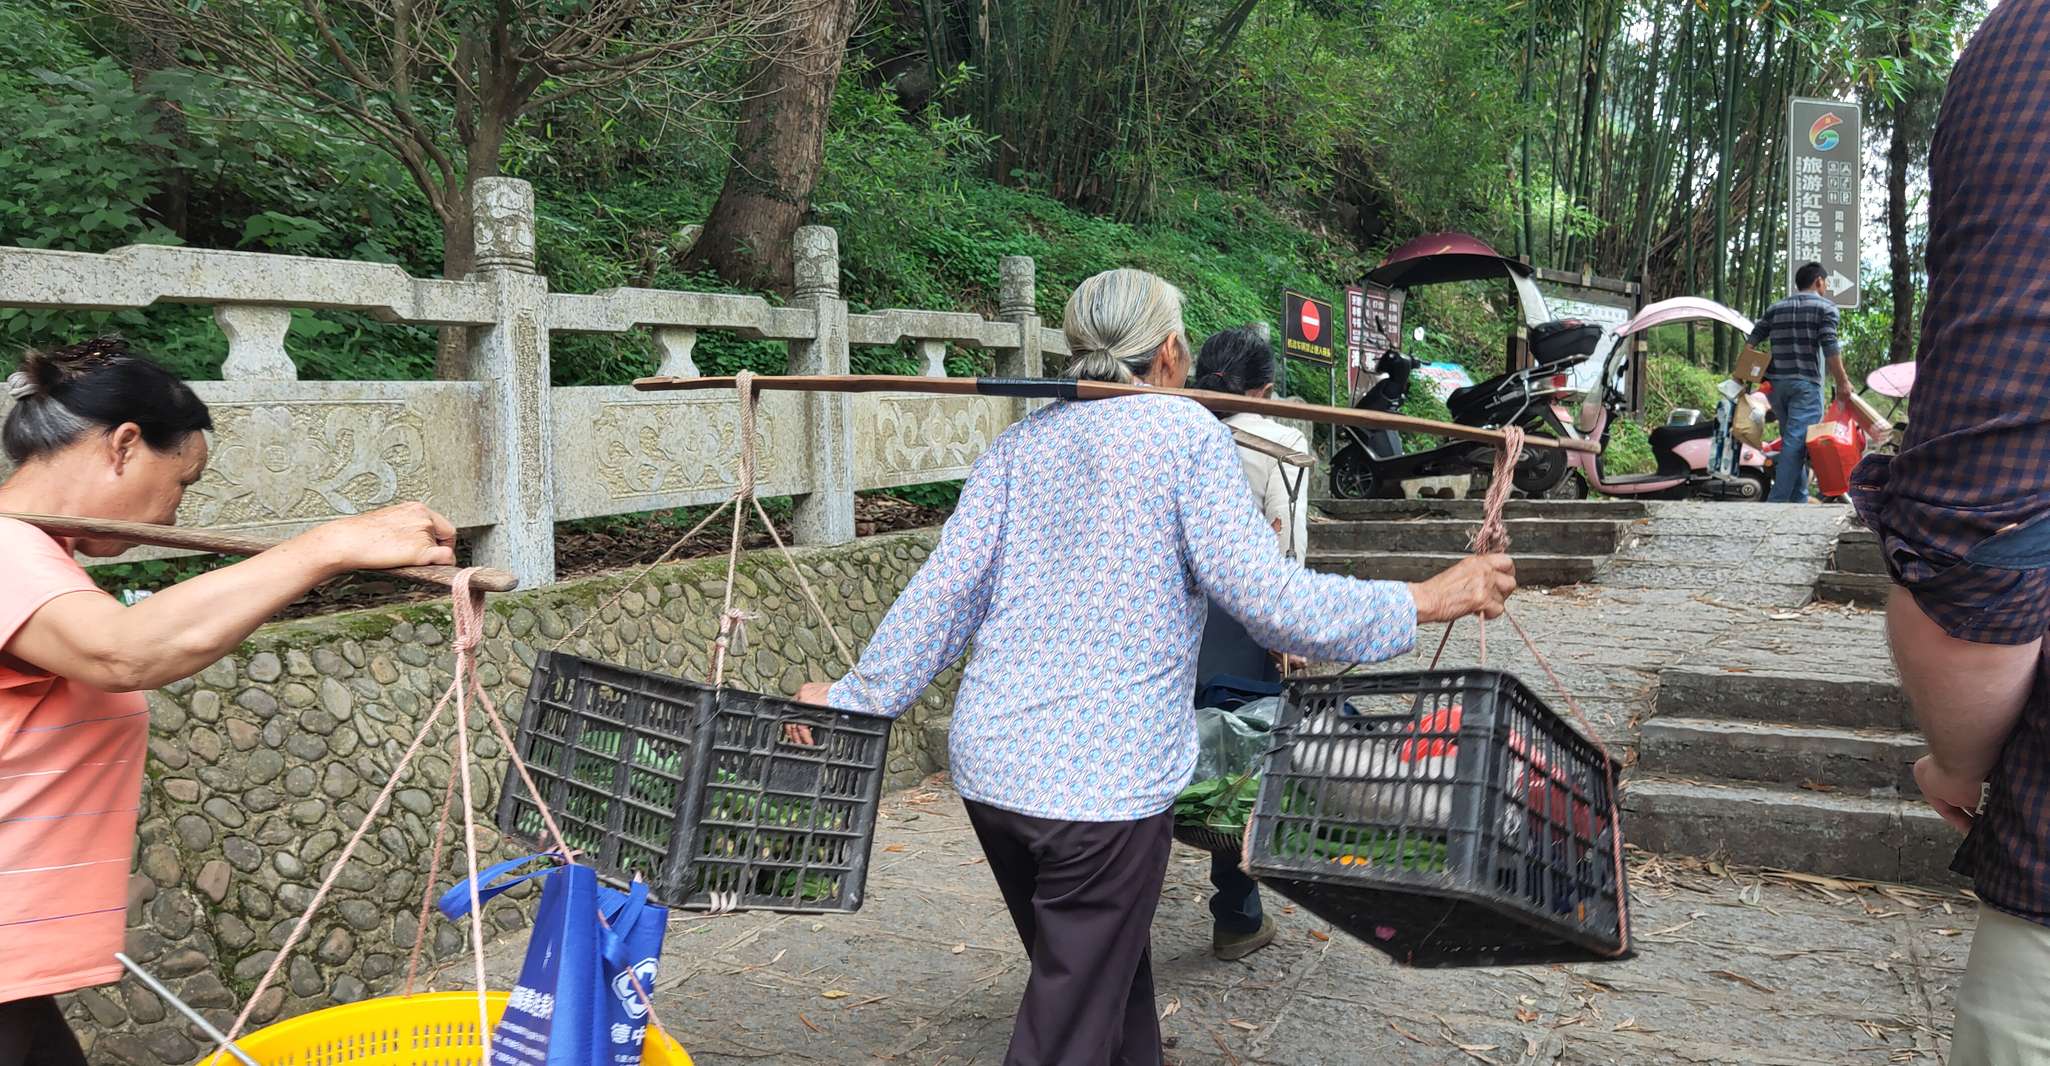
[(1372, 463)]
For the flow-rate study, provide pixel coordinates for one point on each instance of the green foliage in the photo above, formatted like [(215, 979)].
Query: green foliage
[(1629, 450), (150, 575), (1422, 402), (1672, 382), (930, 494)]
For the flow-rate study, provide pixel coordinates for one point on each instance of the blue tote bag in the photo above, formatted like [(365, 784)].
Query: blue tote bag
[(575, 1003)]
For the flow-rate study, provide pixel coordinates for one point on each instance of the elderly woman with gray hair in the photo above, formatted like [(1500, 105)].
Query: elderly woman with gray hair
[(1078, 563)]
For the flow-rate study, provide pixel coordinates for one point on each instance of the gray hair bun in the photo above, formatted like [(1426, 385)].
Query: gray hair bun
[(20, 386)]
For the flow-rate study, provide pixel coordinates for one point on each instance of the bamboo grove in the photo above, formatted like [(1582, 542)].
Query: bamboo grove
[(1632, 138), (1664, 153)]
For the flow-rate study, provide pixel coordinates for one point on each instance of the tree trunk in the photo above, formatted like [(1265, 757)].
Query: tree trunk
[(1901, 345), (154, 52), (482, 157), (778, 151)]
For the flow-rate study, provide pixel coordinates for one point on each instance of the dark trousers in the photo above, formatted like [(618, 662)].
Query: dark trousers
[(1236, 903), (1082, 895), (33, 1033)]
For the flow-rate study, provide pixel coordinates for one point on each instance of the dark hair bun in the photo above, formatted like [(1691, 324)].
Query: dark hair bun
[(53, 369), (63, 394)]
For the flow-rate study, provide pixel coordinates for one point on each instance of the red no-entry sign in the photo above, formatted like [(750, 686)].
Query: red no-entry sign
[(1306, 327)]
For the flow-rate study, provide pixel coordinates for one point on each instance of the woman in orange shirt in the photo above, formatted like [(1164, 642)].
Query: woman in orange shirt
[(100, 432)]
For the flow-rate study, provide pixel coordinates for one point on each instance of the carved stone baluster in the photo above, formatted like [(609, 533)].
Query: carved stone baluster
[(1017, 302), (511, 357), (826, 514), (256, 342), (676, 344), (933, 354)]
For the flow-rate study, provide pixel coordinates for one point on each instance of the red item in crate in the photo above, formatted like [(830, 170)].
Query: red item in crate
[(1834, 446)]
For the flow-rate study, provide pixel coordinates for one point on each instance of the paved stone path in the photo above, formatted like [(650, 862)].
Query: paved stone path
[(1734, 966)]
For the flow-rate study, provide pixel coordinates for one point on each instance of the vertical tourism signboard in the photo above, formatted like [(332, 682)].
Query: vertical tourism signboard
[(1824, 139)]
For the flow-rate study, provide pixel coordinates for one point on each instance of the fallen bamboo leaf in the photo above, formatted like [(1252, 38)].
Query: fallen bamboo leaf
[(1629, 1025), (957, 949), (1743, 980), (1317, 934), (893, 847), (833, 993), (1173, 1004), (1247, 1026), (1949, 932), (1526, 1015), (1411, 1037), (808, 1023)]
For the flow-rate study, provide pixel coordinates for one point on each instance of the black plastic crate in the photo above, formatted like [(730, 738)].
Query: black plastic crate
[(701, 792), (1447, 818)]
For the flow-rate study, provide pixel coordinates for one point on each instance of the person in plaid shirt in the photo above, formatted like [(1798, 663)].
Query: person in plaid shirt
[(1963, 515), (1802, 332)]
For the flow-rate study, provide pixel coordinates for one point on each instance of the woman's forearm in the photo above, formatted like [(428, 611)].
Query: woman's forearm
[(1965, 696), (173, 634)]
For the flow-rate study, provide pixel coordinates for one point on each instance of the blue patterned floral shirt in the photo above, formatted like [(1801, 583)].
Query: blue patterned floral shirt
[(1078, 562)]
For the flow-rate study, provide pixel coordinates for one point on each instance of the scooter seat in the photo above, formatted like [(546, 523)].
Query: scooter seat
[(1667, 438)]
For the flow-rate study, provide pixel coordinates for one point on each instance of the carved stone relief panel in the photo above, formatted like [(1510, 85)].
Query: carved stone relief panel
[(906, 439), (618, 450)]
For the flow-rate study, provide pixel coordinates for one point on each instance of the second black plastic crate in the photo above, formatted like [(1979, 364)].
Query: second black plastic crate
[(1446, 818), (704, 793)]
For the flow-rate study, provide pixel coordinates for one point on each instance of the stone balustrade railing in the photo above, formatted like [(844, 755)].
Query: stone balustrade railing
[(501, 452)]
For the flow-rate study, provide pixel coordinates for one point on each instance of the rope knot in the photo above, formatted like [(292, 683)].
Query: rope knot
[(468, 612), (1492, 536)]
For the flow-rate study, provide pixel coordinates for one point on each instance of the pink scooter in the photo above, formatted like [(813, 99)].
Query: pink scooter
[(1698, 460)]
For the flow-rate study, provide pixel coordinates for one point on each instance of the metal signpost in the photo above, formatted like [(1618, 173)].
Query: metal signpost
[(1825, 138)]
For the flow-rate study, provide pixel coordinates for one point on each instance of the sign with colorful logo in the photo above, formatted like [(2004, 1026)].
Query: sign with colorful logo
[(1306, 327), (1823, 185)]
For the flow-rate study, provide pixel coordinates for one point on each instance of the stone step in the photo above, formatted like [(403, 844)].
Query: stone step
[(1862, 590), (1543, 536), (1615, 510), (936, 730), (1532, 571), (1880, 838), (1857, 552), (1856, 761), (1765, 696)]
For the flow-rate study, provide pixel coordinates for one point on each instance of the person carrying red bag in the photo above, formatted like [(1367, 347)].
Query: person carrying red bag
[(1802, 333)]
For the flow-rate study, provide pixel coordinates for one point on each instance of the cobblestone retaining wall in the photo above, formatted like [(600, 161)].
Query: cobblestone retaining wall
[(261, 766)]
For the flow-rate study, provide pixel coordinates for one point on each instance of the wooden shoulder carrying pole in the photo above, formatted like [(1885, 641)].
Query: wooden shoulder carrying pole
[(489, 579), (1067, 389)]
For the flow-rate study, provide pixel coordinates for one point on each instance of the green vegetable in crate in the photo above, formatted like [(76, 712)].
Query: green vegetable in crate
[(1223, 804)]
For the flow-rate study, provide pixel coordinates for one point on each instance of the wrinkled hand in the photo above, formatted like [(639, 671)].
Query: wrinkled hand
[(406, 534), (1475, 585), (1955, 798), (1289, 664)]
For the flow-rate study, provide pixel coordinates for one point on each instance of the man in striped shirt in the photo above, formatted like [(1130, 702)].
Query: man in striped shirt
[(1802, 331)]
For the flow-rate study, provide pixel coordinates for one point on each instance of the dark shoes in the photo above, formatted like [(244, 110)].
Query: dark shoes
[(1230, 947)]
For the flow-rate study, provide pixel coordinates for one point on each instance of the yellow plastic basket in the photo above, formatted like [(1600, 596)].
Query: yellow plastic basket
[(429, 1029)]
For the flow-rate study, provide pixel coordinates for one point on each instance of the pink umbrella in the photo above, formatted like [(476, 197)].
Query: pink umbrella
[(1683, 309), (1894, 380)]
